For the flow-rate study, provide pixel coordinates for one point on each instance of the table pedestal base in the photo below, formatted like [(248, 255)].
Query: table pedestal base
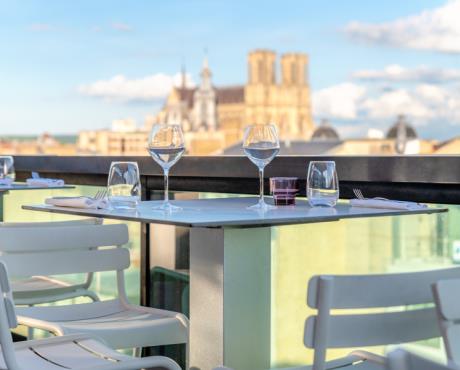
[(230, 303)]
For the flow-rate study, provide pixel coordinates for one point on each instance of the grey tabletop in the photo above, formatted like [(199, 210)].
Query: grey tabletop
[(24, 186), (232, 212)]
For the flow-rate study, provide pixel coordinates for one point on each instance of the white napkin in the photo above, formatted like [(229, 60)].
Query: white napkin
[(7, 181), (45, 182), (387, 204), (78, 202)]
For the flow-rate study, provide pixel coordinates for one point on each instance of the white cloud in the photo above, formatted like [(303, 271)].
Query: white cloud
[(339, 101), (425, 104), (123, 27), (397, 73), (121, 88), (435, 29), (390, 104), (40, 27)]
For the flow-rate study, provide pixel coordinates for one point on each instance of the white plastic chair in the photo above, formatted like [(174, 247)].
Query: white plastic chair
[(78, 249), (343, 292), (46, 289), (447, 298), (400, 359), (335, 292), (75, 351)]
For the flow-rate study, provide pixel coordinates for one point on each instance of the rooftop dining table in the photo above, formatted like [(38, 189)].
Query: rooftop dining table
[(5, 189), (230, 269)]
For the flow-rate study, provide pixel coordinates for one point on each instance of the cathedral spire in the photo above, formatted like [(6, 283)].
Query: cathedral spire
[(183, 75), (206, 74)]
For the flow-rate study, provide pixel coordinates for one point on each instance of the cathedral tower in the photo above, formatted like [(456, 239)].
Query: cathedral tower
[(261, 82), (293, 69), (261, 67)]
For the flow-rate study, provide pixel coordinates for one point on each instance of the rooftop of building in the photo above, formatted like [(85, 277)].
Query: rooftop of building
[(325, 132), (224, 94), (293, 147), (401, 126)]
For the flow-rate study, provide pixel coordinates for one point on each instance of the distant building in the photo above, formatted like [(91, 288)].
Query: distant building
[(223, 112), (325, 132), (45, 144), (403, 134), (124, 138), (325, 140)]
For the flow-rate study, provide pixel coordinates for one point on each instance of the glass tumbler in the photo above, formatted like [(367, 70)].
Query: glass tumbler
[(284, 190), (124, 186), (322, 184)]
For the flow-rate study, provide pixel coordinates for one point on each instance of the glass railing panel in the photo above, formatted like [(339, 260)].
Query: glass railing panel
[(355, 246), (103, 283)]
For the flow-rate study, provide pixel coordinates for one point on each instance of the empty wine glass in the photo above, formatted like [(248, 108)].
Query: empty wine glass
[(261, 145), (7, 168), (322, 184), (166, 146), (124, 185)]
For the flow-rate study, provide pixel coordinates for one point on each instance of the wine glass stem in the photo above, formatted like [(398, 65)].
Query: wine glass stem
[(166, 179), (261, 181)]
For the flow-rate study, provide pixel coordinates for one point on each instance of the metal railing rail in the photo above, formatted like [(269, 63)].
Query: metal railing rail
[(433, 179)]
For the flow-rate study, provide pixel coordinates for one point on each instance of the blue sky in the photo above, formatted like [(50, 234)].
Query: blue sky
[(55, 51)]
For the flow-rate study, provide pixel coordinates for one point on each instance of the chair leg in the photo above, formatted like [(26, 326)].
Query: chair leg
[(93, 296), (30, 333), (187, 356), (30, 330)]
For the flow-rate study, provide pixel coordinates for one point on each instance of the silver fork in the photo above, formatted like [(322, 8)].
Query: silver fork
[(358, 193), (101, 194)]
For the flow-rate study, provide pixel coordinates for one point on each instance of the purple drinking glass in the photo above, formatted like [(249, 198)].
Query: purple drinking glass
[(284, 190)]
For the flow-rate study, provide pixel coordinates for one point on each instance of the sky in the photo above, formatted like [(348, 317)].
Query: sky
[(72, 65)]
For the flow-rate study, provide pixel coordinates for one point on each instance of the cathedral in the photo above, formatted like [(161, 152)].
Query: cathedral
[(214, 118)]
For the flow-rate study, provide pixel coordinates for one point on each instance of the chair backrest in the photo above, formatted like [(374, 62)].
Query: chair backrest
[(8, 320), (334, 292), (400, 359), (83, 221), (67, 249), (447, 298)]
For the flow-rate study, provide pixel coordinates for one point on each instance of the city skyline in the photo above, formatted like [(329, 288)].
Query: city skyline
[(70, 67)]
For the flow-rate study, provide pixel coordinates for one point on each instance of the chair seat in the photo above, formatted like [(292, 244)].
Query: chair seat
[(121, 326), (69, 352)]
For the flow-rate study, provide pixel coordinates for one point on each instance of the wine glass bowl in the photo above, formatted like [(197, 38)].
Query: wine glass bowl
[(261, 145), (166, 146)]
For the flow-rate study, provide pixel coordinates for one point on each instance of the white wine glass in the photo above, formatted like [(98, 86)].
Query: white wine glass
[(166, 145), (261, 145)]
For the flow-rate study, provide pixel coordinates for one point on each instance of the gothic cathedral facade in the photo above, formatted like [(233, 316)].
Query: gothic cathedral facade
[(221, 113)]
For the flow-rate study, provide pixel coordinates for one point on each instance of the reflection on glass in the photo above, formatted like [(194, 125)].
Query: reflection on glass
[(124, 186)]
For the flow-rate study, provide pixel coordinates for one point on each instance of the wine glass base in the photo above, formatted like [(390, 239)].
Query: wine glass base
[(168, 207), (261, 206)]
